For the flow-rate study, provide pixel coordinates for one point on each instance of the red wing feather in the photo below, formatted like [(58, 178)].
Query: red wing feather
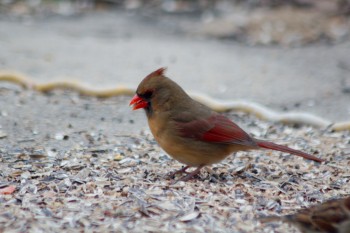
[(216, 129)]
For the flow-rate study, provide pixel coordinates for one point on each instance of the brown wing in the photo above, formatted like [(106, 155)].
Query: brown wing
[(217, 129)]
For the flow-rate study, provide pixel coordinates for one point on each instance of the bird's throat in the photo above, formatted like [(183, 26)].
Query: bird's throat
[(149, 110)]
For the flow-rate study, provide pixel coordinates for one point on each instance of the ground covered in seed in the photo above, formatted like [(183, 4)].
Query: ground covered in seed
[(87, 164)]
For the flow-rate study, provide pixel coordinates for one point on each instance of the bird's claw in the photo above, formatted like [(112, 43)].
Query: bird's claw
[(189, 175), (182, 170)]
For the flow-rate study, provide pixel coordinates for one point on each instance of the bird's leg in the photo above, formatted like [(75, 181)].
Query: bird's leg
[(191, 174), (182, 170)]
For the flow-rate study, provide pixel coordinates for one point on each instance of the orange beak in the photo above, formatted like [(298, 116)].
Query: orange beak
[(138, 102)]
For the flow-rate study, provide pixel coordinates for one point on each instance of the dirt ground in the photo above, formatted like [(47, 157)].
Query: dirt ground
[(87, 164)]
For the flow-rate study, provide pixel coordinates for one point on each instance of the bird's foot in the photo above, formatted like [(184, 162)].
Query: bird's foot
[(189, 175), (182, 170)]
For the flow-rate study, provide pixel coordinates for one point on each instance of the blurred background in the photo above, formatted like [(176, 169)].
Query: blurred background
[(290, 55), (253, 22)]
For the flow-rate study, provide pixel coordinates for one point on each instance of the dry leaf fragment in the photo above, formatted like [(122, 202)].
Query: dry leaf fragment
[(189, 217), (8, 190), (2, 135), (37, 156), (118, 157)]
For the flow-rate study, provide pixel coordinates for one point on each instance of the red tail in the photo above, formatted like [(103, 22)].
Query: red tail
[(273, 146)]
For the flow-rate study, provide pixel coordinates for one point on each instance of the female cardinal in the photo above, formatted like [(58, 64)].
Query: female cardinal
[(189, 131)]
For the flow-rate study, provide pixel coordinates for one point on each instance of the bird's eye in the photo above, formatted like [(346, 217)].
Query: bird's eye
[(147, 95)]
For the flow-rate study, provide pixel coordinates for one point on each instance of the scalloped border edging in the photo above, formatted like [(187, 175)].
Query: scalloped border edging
[(256, 109)]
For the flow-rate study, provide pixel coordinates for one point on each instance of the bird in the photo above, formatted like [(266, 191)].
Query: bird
[(332, 216), (191, 132)]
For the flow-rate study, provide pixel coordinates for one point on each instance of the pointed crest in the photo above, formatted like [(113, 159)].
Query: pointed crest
[(158, 72)]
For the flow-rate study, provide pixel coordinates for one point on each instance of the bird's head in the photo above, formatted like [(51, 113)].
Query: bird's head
[(147, 89), (156, 92)]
